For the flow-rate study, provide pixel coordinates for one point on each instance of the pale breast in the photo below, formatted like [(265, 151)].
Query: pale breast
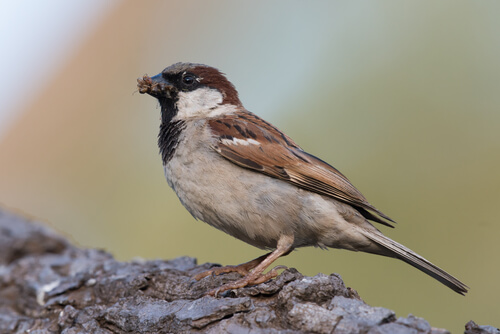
[(248, 205), (235, 200)]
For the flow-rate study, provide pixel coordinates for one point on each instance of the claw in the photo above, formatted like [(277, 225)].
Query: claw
[(252, 270), (242, 269), (250, 279), (273, 273)]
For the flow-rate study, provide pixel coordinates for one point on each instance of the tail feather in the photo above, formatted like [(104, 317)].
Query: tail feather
[(401, 252)]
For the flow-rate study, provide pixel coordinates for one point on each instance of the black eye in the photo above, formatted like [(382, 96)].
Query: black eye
[(188, 79)]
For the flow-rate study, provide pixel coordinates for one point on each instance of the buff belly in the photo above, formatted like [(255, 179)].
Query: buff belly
[(256, 208)]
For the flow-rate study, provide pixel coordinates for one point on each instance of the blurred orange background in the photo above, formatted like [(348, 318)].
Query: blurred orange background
[(402, 97)]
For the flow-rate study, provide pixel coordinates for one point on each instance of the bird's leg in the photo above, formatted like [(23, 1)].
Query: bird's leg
[(285, 244), (242, 269)]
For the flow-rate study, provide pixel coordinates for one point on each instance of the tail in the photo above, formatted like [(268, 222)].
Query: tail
[(399, 251)]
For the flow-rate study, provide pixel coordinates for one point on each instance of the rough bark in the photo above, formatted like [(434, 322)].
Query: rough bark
[(48, 285)]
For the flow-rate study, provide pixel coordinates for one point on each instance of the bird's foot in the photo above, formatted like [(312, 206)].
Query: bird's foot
[(242, 269), (253, 270), (252, 278)]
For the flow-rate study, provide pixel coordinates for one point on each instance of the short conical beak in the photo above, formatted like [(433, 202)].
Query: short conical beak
[(155, 86), (159, 79)]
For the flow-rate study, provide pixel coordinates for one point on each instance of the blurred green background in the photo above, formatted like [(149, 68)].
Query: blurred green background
[(402, 96)]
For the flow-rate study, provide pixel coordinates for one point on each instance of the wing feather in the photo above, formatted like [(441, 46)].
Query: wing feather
[(250, 142)]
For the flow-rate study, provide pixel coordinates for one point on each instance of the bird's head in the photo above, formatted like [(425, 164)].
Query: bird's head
[(190, 91)]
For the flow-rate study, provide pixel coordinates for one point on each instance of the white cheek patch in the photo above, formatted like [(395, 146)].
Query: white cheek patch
[(237, 141), (202, 102)]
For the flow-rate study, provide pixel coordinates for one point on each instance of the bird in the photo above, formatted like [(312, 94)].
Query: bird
[(240, 174)]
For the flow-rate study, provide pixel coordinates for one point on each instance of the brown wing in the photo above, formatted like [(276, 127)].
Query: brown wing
[(250, 142)]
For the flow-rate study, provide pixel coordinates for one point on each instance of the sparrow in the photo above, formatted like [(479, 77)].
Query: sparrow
[(240, 174)]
